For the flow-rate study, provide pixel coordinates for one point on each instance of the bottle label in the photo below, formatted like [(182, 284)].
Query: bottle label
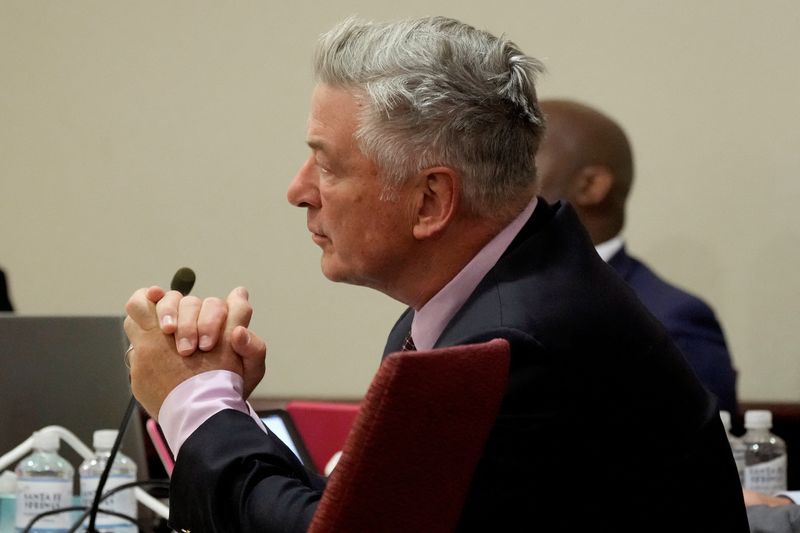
[(768, 477), (738, 458), (122, 502), (35, 496)]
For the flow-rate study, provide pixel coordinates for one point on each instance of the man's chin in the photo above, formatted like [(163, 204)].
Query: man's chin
[(331, 271), (338, 274)]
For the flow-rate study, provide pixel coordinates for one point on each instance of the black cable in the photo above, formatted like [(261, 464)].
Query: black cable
[(48, 513), (152, 482), (141, 526), (109, 463), (87, 510), (39, 516)]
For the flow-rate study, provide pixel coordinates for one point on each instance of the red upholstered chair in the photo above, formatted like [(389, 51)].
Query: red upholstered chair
[(408, 462), (323, 426)]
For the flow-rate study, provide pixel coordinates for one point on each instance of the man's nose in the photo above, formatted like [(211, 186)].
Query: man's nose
[(303, 189)]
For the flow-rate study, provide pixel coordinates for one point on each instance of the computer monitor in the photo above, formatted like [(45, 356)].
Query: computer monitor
[(66, 371)]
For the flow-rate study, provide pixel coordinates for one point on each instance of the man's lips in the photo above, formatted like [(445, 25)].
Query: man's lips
[(318, 238)]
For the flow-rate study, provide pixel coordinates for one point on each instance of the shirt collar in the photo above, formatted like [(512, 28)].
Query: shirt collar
[(607, 250), (429, 322)]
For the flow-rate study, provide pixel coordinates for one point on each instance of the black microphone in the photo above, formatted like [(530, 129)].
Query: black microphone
[(183, 280)]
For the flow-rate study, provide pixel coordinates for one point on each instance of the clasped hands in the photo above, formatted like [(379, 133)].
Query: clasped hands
[(176, 337)]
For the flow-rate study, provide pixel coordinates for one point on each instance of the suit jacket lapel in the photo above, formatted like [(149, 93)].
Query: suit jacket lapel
[(541, 217), (482, 307), (398, 334)]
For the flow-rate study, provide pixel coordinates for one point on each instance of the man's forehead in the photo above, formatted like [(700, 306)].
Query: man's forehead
[(333, 119), (333, 106), (321, 138)]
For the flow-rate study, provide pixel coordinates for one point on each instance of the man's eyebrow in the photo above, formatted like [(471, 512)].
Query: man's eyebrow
[(316, 144)]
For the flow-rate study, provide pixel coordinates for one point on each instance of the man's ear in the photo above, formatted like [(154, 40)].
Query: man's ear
[(593, 185), (439, 195)]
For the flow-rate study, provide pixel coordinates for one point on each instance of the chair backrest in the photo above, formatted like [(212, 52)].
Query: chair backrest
[(409, 460), (323, 426)]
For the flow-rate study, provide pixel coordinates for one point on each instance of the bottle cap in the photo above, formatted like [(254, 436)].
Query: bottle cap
[(103, 439), (46, 440), (758, 419), (725, 416)]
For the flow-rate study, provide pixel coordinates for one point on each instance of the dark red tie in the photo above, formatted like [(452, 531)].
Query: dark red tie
[(408, 344)]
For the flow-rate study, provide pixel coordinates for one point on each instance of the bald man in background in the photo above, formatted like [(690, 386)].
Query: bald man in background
[(585, 158)]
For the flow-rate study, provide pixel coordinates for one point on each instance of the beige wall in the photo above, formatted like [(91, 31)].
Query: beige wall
[(137, 137)]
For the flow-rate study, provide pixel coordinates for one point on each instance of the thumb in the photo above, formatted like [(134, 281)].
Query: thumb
[(143, 311), (253, 351), (239, 309)]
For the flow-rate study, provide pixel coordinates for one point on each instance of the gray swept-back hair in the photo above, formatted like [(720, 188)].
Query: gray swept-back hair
[(440, 92)]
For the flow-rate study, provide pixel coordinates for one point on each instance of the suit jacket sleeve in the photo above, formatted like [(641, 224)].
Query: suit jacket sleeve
[(698, 334), (782, 519), (230, 476)]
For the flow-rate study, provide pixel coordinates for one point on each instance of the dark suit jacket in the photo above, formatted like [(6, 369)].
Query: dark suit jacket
[(781, 519), (604, 426), (5, 301), (691, 324)]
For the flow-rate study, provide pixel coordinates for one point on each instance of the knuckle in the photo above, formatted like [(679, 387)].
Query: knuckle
[(210, 325), (192, 301), (246, 311), (133, 301), (214, 301)]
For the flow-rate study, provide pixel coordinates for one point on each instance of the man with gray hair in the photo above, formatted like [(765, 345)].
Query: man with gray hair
[(421, 184)]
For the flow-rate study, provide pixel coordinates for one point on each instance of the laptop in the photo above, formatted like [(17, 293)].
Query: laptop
[(66, 371), (282, 426)]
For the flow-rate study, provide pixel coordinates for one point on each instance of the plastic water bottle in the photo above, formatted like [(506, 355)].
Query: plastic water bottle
[(8, 501), (737, 446), (122, 471), (44, 483), (765, 454)]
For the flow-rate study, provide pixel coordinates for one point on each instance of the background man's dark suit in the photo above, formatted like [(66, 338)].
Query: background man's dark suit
[(604, 426), (690, 322), (5, 301)]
